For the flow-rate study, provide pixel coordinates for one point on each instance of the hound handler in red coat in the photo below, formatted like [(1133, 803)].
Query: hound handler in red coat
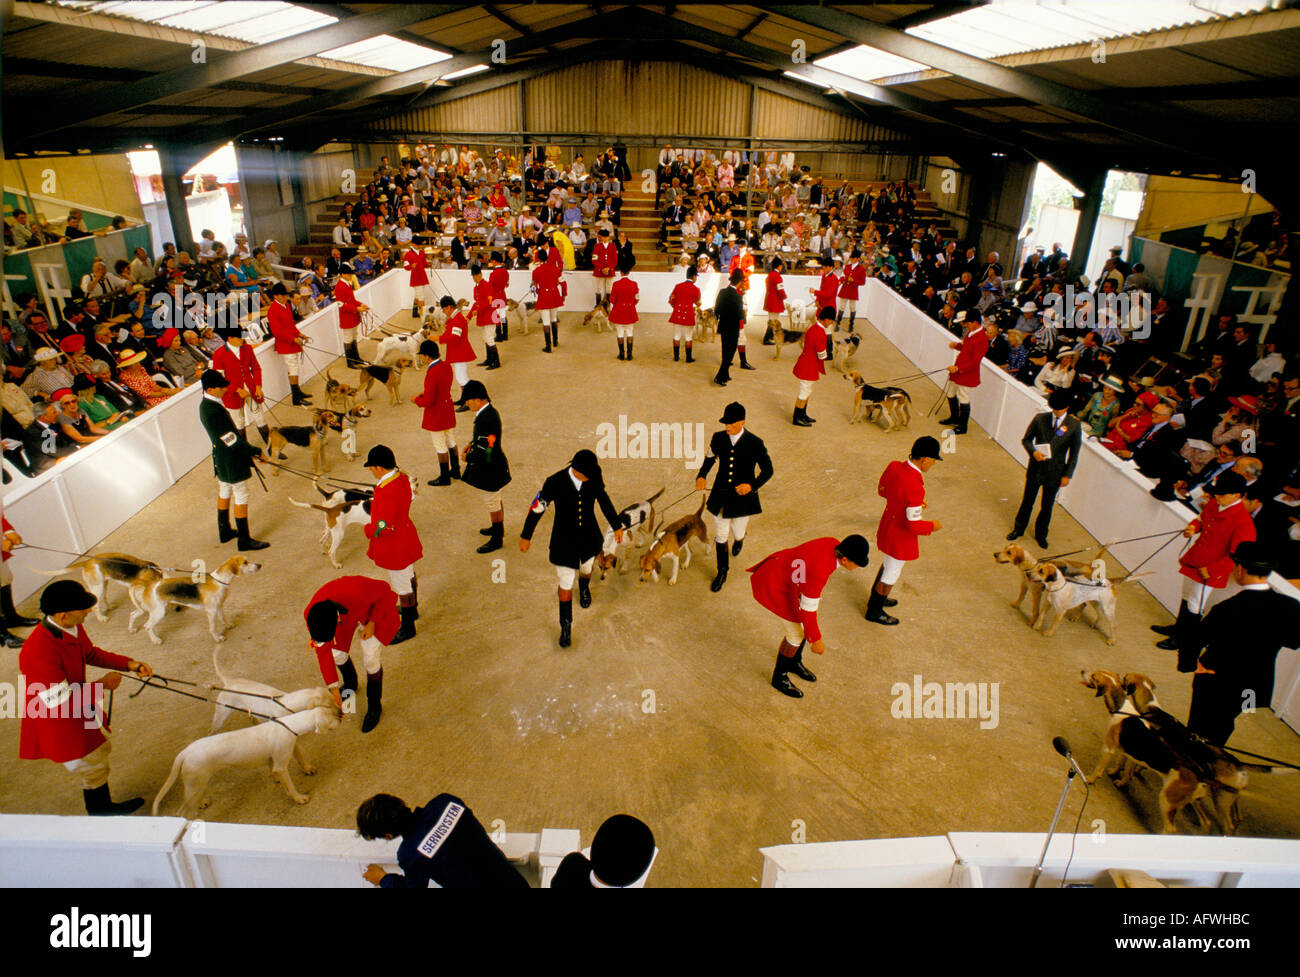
[(811, 364), (855, 276), (333, 614), (394, 543), (1207, 564), (604, 262), (417, 264), (243, 398), (499, 279), (288, 340), (550, 295), (964, 374), (684, 298), (349, 312), (789, 583), (828, 289), (774, 297), (486, 313), (439, 412), (902, 486), (460, 354), (623, 297), (60, 720)]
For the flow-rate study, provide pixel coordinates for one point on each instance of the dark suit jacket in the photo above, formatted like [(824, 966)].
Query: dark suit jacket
[(575, 536), (747, 461), (1065, 446), (1156, 454), (231, 454), (1246, 657), (486, 466), (730, 309)]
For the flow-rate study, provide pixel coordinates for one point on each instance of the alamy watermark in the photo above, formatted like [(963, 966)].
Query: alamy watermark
[(208, 308), (682, 440), (946, 700)]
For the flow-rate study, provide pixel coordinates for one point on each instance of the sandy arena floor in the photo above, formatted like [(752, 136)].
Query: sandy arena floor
[(662, 706)]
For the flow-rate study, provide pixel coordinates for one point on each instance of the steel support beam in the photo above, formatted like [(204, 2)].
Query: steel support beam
[(1040, 91), (90, 104)]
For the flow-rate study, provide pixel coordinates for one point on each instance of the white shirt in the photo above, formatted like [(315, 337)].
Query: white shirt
[(577, 482)]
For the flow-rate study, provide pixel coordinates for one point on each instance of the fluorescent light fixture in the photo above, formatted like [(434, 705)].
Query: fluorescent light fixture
[(464, 72)]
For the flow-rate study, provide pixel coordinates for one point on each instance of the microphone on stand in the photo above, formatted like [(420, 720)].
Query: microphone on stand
[(1062, 746)]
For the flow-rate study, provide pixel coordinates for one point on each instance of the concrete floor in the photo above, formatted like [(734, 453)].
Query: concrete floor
[(661, 708)]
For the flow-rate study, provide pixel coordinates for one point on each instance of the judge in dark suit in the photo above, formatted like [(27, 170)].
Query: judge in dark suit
[(486, 467), (1237, 666), (460, 250), (1156, 452), (576, 537), (744, 467), (730, 310), (1052, 439), (232, 461)]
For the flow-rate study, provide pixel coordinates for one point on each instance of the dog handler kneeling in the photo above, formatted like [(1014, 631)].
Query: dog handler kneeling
[(232, 461), (333, 614), (394, 543), (789, 583), (902, 486), (60, 720)]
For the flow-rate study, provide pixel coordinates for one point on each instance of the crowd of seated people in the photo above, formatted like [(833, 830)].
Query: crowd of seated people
[(467, 206), (23, 230), (121, 344)]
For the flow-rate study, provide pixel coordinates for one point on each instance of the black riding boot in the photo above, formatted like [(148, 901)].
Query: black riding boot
[(444, 474), (496, 538), (876, 604), (100, 803), (455, 462), (298, 396), (246, 541), (584, 591), (353, 354), (348, 673), (953, 413), (12, 618), (724, 563), (963, 418), (677, 352), (797, 666), (744, 363), (689, 359), (566, 623), (780, 680), (629, 348), (407, 609), (622, 349), (546, 331), (374, 701)]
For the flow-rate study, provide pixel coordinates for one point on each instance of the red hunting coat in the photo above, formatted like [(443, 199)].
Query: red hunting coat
[(349, 313), (811, 363), (241, 369), (789, 583), (774, 296), (364, 599), (397, 545), (53, 664), (439, 411), (622, 301), (974, 344), (417, 265), (902, 486), (684, 297), (1220, 532), (456, 338)]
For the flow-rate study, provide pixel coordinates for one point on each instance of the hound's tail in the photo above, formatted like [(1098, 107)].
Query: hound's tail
[(171, 779), (216, 667), (309, 505), (58, 573), (655, 496)]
